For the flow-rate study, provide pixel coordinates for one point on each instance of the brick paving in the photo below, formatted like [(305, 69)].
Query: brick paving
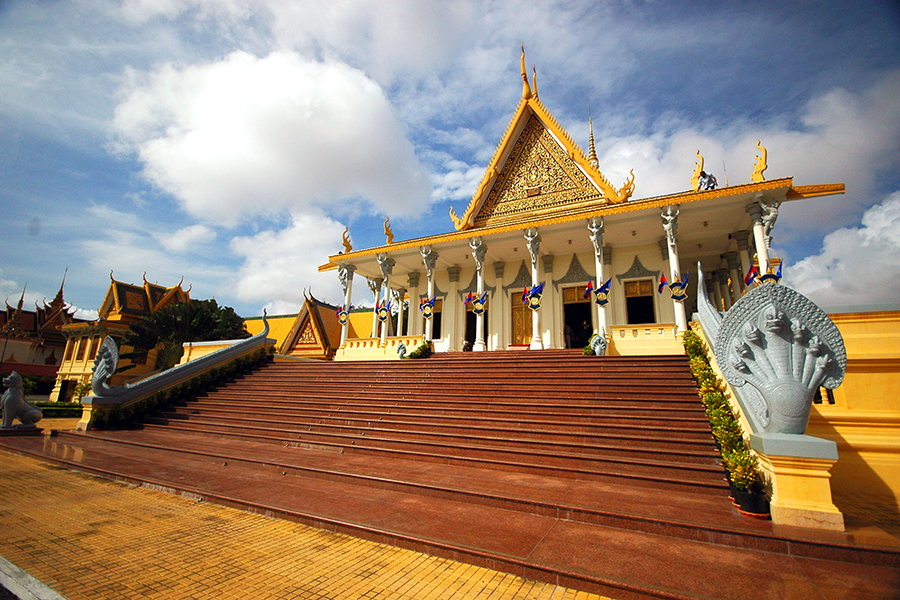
[(91, 538)]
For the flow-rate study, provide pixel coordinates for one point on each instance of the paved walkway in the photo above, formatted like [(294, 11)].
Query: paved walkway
[(90, 538)]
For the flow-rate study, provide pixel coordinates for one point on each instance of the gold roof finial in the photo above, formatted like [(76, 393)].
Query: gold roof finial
[(387, 231), (698, 168), (761, 165), (346, 240), (593, 154), (534, 82), (526, 91)]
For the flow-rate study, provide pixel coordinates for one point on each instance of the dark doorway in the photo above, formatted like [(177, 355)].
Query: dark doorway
[(575, 316), (640, 310)]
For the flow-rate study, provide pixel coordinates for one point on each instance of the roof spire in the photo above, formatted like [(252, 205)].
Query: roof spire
[(593, 154), (526, 91), (534, 82)]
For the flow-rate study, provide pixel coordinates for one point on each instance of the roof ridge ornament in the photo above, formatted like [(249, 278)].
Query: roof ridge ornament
[(592, 156), (698, 169), (348, 247), (534, 81), (388, 232), (526, 91), (761, 165)]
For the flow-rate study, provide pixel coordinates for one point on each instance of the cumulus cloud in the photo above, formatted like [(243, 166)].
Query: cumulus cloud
[(247, 136), (187, 238), (856, 265), (279, 265)]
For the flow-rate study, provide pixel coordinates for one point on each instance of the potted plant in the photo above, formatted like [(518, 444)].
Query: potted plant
[(744, 475)]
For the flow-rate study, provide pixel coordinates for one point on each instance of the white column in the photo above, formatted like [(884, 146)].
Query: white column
[(733, 265), (345, 274), (478, 252), (375, 288), (414, 326), (759, 235), (400, 295), (499, 308), (723, 285), (533, 239), (716, 290), (743, 243), (595, 226), (670, 224), (387, 268), (429, 258)]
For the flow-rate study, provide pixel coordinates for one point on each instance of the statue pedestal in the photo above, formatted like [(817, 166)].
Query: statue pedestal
[(796, 468)]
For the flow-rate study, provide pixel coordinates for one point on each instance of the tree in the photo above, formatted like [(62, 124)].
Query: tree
[(169, 328)]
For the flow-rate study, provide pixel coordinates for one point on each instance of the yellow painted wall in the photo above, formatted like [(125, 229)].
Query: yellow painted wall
[(864, 421)]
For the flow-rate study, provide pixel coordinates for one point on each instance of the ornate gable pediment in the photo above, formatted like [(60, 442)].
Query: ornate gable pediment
[(536, 171), (538, 176)]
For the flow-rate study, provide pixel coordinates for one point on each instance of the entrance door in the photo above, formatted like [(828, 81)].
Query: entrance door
[(521, 323), (639, 302), (577, 328)]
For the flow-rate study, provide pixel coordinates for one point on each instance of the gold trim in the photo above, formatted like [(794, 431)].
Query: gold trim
[(811, 191), (580, 212)]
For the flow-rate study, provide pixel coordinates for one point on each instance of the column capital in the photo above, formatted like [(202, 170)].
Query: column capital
[(533, 239), (742, 238), (732, 259), (669, 216), (412, 279), (478, 252), (595, 226), (548, 264), (755, 211), (386, 263), (429, 258), (453, 271), (498, 269)]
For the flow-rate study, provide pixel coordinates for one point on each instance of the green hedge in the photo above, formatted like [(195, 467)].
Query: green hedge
[(424, 350), (743, 470)]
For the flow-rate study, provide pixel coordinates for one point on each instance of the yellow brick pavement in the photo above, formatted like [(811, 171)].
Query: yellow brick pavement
[(89, 538)]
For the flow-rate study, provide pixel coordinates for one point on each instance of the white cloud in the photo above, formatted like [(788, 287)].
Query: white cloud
[(850, 138), (857, 265), (248, 136), (279, 265), (187, 238)]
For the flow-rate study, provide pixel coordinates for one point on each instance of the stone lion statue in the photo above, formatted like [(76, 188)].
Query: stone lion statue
[(14, 405)]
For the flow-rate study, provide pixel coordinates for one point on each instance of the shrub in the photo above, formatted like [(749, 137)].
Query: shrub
[(424, 350), (743, 470)]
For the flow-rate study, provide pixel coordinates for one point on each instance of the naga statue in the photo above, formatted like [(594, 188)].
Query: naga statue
[(784, 346)]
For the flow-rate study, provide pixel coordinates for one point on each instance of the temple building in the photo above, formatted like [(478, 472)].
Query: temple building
[(32, 342), (124, 303), (549, 252)]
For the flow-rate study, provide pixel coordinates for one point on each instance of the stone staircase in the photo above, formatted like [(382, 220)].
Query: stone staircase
[(597, 473)]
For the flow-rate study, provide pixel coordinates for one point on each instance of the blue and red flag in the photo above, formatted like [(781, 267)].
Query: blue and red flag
[(663, 282), (469, 298), (751, 275), (589, 289), (525, 295)]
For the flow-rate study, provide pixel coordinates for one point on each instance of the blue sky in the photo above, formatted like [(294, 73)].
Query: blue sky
[(230, 142)]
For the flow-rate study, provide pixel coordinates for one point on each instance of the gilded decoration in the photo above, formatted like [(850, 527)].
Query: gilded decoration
[(538, 175), (698, 168), (307, 335)]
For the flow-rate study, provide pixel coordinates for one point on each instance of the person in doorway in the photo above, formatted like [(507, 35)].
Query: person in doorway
[(584, 335), (569, 336)]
